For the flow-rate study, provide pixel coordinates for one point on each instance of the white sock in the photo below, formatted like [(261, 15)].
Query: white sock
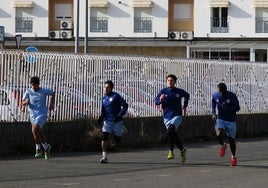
[(37, 146), (104, 154), (45, 145)]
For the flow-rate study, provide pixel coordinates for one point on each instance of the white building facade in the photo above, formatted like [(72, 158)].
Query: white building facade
[(218, 29), (231, 18), (111, 18), (240, 26)]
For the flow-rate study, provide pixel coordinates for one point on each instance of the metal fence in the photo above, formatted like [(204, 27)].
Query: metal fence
[(78, 82)]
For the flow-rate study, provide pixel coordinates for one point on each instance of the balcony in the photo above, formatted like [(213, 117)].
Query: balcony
[(99, 24), (219, 25), (24, 24), (142, 25), (261, 24)]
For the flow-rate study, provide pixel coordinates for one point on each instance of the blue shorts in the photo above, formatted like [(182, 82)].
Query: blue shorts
[(40, 120), (229, 127), (176, 121), (113, 127)]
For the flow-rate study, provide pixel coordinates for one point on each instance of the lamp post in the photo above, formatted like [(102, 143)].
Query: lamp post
[(77, 27)]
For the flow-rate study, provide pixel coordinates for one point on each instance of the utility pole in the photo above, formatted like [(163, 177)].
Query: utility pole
[(86, 30), (77, 27)]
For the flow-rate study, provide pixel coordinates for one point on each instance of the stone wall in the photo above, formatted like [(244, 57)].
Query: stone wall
[(16, 138)]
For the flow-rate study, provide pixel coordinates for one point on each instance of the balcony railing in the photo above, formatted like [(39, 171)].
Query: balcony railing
[(261, 25), (24, 24), (99, 24), (142, 25), (219, 25)]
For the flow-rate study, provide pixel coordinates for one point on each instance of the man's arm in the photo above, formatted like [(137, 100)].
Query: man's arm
[(159, 98), (213, 108), (25, 101), (52, 101), (124, 109), (186, 97)]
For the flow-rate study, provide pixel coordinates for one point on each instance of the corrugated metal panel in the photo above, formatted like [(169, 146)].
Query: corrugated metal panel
[(142, 4), (260, 4), (23, 4), (219, 3), (98, 3)]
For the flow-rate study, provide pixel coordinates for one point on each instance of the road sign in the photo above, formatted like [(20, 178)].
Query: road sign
[(31, 58)]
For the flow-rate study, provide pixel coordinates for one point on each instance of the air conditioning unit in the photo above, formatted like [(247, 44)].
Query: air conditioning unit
[(66, 34), (54, 34), (186, 35), (66, 24), (174, 35)]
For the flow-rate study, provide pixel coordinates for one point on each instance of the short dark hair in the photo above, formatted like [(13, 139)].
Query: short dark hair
[(172, 76), (110, 83), (35, 80), (222, 87)]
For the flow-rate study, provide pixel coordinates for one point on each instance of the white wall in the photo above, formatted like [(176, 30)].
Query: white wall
[(40, 21), (241, 16), (121, 18)]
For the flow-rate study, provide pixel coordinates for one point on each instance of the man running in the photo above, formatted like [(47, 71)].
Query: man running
[(170, 100), (114, 107), (227, 105), (35, 98)]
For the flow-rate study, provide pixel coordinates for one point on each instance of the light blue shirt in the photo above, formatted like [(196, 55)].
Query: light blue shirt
[(37, 100)]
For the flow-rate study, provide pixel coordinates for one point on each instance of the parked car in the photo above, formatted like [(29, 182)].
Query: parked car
[(10, 99)]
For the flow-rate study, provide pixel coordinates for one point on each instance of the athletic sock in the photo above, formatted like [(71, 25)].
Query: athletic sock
[(104, 154), (37, 146), (45, 145)]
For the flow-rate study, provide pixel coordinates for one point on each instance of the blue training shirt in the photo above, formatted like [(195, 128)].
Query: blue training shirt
[(172, 103), (113, 105), (37, 100), (232, 106)]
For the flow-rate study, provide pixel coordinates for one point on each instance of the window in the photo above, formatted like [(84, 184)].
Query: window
[(142, 20), (219, 20), (24, 20), (182, 11), (261, 24), (98, 20), (63, 11)]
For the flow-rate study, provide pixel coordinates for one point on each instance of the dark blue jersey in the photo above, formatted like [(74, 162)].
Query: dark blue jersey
[(113, 105), (227, 106), (172, 103)]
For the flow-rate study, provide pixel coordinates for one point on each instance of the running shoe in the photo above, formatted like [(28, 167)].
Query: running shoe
[(222, 150), (38, 153), (183, 155), (47, 152), (170, 155), (233, 161), (104, 160)]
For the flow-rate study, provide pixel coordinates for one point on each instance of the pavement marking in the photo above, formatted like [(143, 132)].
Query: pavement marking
[(122, 179), (164, 175), (205, 171), (67, 184)]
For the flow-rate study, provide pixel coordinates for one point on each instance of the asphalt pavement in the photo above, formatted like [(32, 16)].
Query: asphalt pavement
[(138, 168)]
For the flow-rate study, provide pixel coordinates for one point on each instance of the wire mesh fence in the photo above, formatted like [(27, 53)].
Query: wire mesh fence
[(78, 82)]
